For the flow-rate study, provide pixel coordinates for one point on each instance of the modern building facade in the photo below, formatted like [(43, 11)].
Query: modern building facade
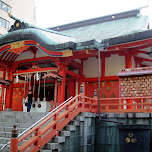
[(19, 9)]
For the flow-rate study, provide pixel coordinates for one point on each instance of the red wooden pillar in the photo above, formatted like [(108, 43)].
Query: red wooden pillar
[(129, 101), (103, 65), (128, 60), (9, 91), (128, 66), (55, 91), (2, 90), (71, 87), (81, 73), (61, 86)]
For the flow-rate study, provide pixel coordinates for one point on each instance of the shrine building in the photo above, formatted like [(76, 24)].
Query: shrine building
[(55, 62)]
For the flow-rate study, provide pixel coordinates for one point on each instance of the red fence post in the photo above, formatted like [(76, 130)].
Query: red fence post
[(14, 140), (148, 105), (37, 133)]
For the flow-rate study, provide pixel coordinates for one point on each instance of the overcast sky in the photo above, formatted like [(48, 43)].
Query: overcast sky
[(51, 13)]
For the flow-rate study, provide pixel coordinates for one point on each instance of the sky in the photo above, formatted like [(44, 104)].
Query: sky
[(50, 13)]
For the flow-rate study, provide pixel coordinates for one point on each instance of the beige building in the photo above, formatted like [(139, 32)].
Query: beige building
[(22, 9)]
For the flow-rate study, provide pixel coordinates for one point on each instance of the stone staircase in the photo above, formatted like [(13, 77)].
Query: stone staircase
[(77, 136), (23, 120)]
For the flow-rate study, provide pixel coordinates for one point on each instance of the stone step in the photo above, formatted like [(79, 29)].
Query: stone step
[(23, 120), (22, 114), (4, 140), (65, 133), (51, 146), (9, 129), (75, 123), (59, 139), (19, 125), (80, 118), (19, 120), (70, 127), (6, 149), (9, 135), (45, 150)]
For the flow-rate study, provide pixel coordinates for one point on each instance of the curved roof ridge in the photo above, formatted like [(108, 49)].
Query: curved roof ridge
[(17, 23), (102, 19)]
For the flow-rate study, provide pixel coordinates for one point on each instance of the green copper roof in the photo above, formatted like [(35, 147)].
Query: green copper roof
[(47, 39), (109, 29), (85, 34)]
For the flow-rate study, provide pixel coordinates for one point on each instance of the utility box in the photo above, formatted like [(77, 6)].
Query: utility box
[(134, 138)]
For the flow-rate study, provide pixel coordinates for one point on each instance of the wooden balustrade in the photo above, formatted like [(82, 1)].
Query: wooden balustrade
[(119, 105), (60, 118), (80, 103)]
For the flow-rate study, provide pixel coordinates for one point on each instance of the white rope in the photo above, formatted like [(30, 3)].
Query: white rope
[(44, 99), (33, 99), (24, 89), (29, 81), (38, 99)]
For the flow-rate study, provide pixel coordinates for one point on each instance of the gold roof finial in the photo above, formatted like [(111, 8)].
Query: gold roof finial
[(9, 14)]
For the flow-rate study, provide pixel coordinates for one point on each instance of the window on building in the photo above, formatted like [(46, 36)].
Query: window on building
[(5, 7), (4, 23)]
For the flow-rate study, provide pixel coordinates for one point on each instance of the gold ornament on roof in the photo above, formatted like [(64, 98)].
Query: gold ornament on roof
[(17, 24), (17, 45), (67, 53)]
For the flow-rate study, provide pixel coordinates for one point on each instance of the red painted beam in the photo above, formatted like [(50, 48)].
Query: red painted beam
[(144, 46), (73, 74), (125, 45), (5, 63), (34, 60), (75, 64), (36, 70), (108, 78), (143, 59), (53, 75)]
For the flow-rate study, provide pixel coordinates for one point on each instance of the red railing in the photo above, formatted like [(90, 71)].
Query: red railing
[(65, 112), (49, 127), (119, 105)]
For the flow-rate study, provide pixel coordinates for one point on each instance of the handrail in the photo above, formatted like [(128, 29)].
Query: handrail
[(46, 119), (38, 122), (68, 110), (43, 135), (119, 105)]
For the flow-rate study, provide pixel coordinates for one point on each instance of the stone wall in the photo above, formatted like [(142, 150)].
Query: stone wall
[(82, 139), (135, 86), (107, 133), (94, 135)]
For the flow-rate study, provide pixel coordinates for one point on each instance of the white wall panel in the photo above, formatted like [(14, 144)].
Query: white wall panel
[(24, 56), (40, 53), (133, 62), (90, 67), (1, 74), (114, 64)]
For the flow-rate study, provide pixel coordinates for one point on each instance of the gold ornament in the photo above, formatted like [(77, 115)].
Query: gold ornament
[(133, 140), (17, 45), (17, 24), (107, 88), (67, 53), (130, 134), (127, 140)]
